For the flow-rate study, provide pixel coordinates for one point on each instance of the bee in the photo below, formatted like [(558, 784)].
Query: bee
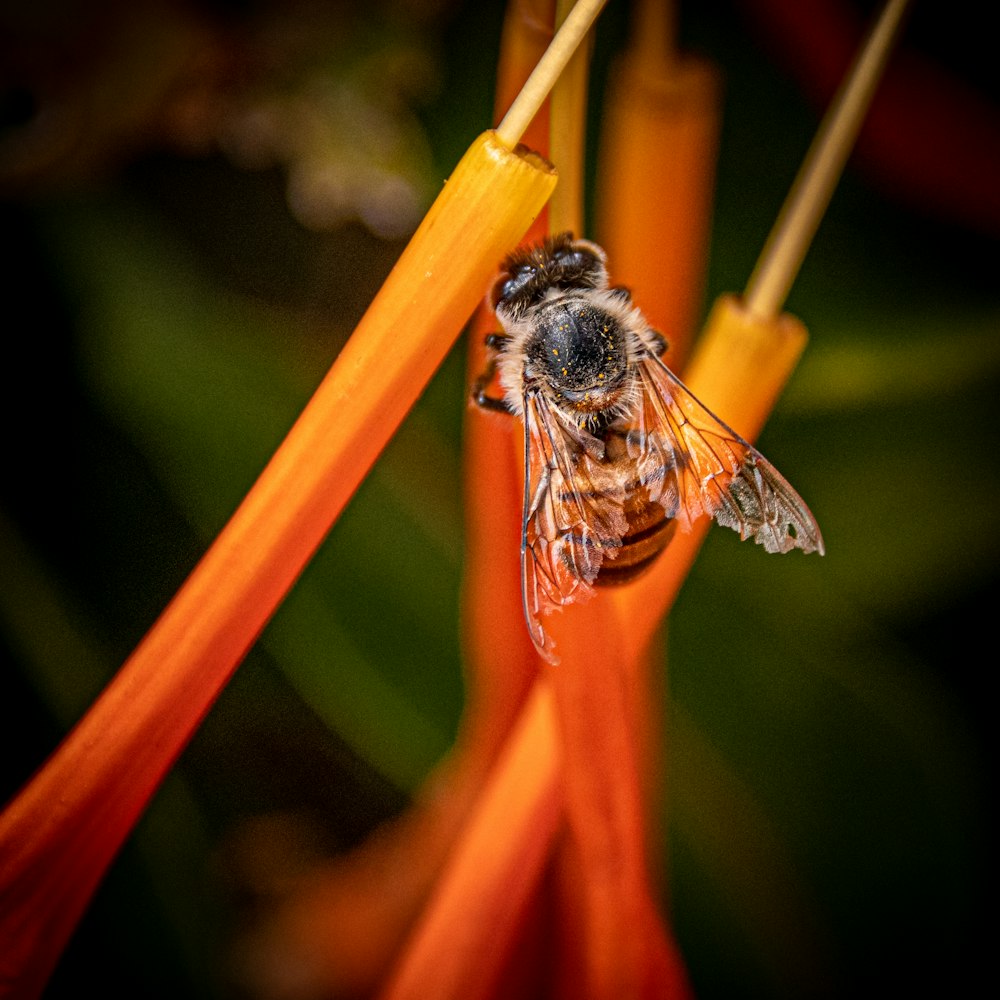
[(618, 453)]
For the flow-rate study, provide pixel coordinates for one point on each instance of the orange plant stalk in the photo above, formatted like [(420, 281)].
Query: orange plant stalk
[(655, 185), (656, 176), (469, 927), (500, 663), (614, 942), (58, 836)]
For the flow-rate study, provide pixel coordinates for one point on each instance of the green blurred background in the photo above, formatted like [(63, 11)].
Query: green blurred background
[(194, 219)]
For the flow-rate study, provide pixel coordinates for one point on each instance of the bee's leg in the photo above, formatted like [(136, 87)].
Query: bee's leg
[(487, 402), (494, 344), (656, 342)]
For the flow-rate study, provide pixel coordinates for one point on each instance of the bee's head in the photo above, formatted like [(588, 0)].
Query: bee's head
[(560, 263)]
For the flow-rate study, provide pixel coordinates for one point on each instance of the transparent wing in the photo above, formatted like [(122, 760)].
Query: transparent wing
[(681, 456), (694, 464), (572, 516)]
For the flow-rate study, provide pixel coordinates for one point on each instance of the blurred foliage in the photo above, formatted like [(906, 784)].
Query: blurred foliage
[(166, 318)]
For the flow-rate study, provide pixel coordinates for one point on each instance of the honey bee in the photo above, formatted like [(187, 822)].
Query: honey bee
[(618, 454)]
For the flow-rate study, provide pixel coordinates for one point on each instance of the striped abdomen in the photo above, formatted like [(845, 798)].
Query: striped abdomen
[(624, 527)]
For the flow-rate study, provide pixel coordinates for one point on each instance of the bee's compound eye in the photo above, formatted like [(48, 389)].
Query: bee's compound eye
[(577, 260), (497, 291), (581, 265), (508, 285)]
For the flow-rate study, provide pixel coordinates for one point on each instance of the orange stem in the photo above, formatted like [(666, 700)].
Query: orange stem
[(621, 946), (498, 652), (656, 179), (493, 874), (59, 835)]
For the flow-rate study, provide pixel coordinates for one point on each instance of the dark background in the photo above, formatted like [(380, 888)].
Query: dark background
[(176, 281)]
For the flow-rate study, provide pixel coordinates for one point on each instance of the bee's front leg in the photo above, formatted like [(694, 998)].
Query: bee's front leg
[(657, 343), (494, 344)]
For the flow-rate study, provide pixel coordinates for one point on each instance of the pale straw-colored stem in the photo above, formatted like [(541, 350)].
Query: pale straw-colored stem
[(536, 88), (799, 218)]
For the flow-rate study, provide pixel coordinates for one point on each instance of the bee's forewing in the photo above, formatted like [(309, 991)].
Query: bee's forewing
[(571, 521), (711, 470)]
